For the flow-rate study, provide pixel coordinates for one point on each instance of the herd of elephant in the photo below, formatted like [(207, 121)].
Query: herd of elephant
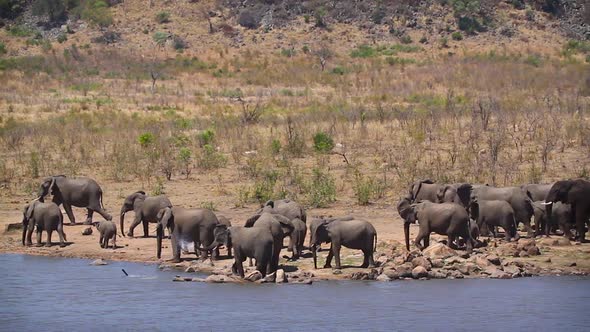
[(463, 211), (443, 209)]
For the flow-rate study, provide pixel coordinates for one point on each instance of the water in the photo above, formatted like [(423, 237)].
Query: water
[(56, 294)]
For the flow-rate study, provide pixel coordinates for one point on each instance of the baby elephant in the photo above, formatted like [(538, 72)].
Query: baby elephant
[(108, 231), (349, 232), (493, 214)]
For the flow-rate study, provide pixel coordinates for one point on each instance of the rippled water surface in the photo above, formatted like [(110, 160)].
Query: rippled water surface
[(54, 294)]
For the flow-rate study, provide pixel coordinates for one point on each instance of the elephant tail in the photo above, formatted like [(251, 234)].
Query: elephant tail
[(375, 242), (100, 199)]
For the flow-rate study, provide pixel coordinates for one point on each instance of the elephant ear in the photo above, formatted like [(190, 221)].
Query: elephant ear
[(474, 209), (252, 220), (30, 210), (464, 192), (440, 193), (403, 207), (165, 217), (270, 203), (286, 224)]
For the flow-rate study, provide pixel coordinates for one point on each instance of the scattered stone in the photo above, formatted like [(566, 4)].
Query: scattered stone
[(400, 259), (419, 272), (533, 251), (269, 278), (454, 260), (280, 276), (439, 250), (548, 260), (512, 270), (381, 260), (99, 262), (455, 275), (436, 275), (494, 259), (337, 272), (498, 274), (87, 231), (557, 242), (190, 269), (437, 263), (508, 250), (383, 277), (220, 279), (422, 261), (253, 276), (523, 254), (524, 244), (480, 261), (573, 264)]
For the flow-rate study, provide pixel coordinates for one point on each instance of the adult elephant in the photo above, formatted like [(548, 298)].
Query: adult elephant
[(352, 233), (279, 226), (223, 220), (493, 214), (247, 242), (146, 210), (537, 192), (46, 217), (425, 190), (186, 226), (459, 193), (448, 219), (79, 192), (519, 201), (576, 193), (284, 207)]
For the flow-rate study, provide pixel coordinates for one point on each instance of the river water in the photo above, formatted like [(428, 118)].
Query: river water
[(57, 294)]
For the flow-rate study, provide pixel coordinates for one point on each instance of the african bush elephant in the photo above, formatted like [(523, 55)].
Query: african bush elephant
[(459, 193), (297, 237), (186, 226), (80, 192), (448, 219), (351, 233), (425, 190), (225, 221), (279, 226), (284, 207), (576, 193), (492, 214), (146, 210), (536, 192), (46, 217), (108, 231), (247, 242), (561, 217), (519, 201)]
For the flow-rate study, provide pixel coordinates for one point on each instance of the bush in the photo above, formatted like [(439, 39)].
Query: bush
[(178, 43), (163, 17), (3, 48), (406, 39), (288, 52), (367, 188), (320, 18), (248, 20), (338, 70), (322, 142), (11, 8), (533, 60), (96, 12), (146, 139), (321, 189), (211, 159), (62, 37), (54, 9), (363, 51), (275, 147), (21, 30), (444, 42), (457, 36), (378, 15), (423, 40), (160, 37), (206, 137), (264, 187), (393, 60)]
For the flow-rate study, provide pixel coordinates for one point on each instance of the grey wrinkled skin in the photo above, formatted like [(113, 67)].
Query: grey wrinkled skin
[(561, 216), (575, 192), (349, 232), (146, 210), (537, 192), (79, 192), (186, 226), (108, 232), (490, 214), (45, 217), (247, 242)]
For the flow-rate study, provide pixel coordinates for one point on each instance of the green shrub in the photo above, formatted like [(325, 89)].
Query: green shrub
[(163, 17), (322, 142), (320, 189), (393, 60), (21, 30), (34, 164), (275, 147), (160, 37), (208, 205), (206, 137), (158, 187), (378, 15), (61, 38), (306, 18), (3, 48), (338, 70), (367, 188), (210, 158), (264, 187), (96, 12), (305, 49), (54, 9), (363, 51), (444, 42), (457, 36), (288, 52), (423, 40), (406, 39), (185, 159), (533, 60), (178, 43), (146, 139), (320, 18)]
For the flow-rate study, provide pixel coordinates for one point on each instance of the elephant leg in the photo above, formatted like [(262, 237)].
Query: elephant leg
[(422, 233), (115, 242), (565, 229), (368, 258), (215, 254), (336, 249), (38, 237), (451, 241), (229, 255), (328, 263), (70, 214), (136, 222), (239, 267), (580, 218), (88, 220), (527, 226), (100, 211), (30, 229), (60, 232), (291, 244), (48, 243), (197, 245), (175, 249), (146, 229), (426, 240), (101, 241)]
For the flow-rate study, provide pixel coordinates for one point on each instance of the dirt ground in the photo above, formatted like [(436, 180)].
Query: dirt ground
[(553, 259)]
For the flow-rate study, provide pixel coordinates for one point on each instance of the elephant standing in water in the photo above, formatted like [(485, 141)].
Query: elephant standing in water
[(247, 242), (576, 193), (349, 232), (146, 210), (47, 217), (186, 226), (80, 192)]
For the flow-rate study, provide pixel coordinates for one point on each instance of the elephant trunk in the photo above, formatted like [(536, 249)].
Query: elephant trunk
[(314, 252), (159, 236), (210, 247), (407, 234), (548, 221), (122, 222)]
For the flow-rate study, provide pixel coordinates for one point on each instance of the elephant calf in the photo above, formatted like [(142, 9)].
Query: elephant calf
[(297, 237), (46, 217), (561, 216), (108, 231), (348, 232), (492, 214)]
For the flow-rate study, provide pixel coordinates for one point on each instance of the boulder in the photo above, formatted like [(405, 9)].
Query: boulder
[(494, 259), (281, 277), (533, 251), (524, 244), (383, 277), (253, 276), (454, 260), (220, 279), (508, 250), (512, 270), (99, 262), (87, 231), (269, 278), (498, 274), (437, 263), (481, 261), (382, 260), (422, 261), (419, 272), (437, 274), (438, 250), (467, 268), (181, 279), (400, 259), (392, 273), (455, 275)]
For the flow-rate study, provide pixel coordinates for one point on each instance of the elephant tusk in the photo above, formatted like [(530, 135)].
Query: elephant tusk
[(546, 203)]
